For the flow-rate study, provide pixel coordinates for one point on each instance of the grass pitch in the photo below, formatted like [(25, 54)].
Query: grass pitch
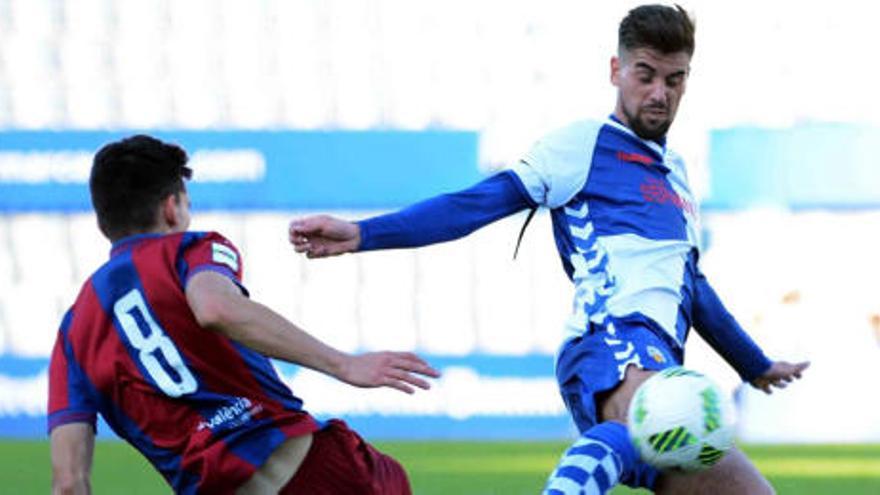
[(467, 468)]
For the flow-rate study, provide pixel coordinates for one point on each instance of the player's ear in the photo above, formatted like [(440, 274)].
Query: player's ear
[(168, 210), (615, 70)]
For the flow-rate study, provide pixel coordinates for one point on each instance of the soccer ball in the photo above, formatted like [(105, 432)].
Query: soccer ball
[(680, 420)]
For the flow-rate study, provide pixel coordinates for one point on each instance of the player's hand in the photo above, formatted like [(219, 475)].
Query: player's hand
[(398, 370), (780, 374), (322, 236)]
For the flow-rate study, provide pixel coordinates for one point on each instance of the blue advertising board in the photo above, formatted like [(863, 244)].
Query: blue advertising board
[(252, 170), (829, 166)]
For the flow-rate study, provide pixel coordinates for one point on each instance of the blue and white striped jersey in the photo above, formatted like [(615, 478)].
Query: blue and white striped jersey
[(624, 219), (626, 228)]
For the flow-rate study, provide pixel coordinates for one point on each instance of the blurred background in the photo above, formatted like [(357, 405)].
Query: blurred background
[(290, 107)]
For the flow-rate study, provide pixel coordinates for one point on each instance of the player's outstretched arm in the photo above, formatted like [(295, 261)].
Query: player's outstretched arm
[(72, 449), (219, 305), (780, 374), (439, 219)]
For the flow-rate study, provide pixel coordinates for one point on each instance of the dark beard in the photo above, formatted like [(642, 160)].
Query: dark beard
[(643, 131)]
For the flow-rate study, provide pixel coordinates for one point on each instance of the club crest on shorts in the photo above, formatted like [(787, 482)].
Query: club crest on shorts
[(656, 354)]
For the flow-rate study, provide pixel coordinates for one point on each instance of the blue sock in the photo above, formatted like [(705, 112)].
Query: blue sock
[(595, 462)]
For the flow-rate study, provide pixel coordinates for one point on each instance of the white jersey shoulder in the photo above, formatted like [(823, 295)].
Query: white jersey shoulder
[(555, 169), (676, 163)]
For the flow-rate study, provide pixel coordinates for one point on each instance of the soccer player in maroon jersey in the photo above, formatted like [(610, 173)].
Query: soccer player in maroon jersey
[(165, 344)]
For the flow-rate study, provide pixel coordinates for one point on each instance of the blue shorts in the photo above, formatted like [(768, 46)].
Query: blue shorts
[(596, 362)]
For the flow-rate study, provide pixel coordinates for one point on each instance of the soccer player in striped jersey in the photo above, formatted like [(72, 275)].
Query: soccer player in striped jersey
[(625, 225), (165, 344)]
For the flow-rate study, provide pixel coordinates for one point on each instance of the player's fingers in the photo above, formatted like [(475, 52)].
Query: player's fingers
[(298, 239), (800, 367), (409, 355), (400, 358), (762, 385), (307, 225), (317, 251), (397, 385), (403, 376), (298, 226), (413, 363)]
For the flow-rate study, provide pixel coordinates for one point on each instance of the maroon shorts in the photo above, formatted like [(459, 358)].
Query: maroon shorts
[(341, 462)]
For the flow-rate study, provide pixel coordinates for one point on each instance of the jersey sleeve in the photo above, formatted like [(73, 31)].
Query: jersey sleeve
[(211, 252), (447, 216), (70, 397), (724, 334), (555, 169)]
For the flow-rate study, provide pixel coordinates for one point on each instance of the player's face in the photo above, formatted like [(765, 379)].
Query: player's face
[(650, 85)]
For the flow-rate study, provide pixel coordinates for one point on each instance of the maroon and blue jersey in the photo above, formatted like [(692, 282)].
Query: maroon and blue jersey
[(205, 410)]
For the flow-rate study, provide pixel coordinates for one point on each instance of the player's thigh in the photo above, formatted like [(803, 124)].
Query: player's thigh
[(733, 475), (613, 404), (340, 461)]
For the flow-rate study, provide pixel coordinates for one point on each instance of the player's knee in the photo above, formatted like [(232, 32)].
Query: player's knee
[(738, 468)]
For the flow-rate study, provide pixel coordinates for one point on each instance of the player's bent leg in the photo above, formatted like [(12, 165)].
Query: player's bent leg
[(594, 463), (279, 468), (597, 394), (341, 462), (613, 404), (733, 475), (604, 454)]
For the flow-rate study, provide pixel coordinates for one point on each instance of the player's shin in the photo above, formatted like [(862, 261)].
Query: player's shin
[(597, 461)]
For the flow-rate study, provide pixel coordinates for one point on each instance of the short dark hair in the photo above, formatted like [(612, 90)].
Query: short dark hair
[(659, 27), (130, 178)]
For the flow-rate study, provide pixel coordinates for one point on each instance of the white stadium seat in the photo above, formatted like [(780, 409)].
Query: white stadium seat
[(33, 315), (34, 18), (273, 272), (330, 302), (445, 305), (503, 295), (387, 297), (89, 248), (42, 250), (7, 259)]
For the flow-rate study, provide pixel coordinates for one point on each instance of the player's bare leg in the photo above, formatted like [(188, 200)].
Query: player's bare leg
[(279, 468), (733, 475)]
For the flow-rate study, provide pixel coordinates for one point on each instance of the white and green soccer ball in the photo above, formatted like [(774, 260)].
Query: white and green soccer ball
[(679, 419)]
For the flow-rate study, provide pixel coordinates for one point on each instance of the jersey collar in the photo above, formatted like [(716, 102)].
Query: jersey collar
[(658, 145), (126, 243)]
